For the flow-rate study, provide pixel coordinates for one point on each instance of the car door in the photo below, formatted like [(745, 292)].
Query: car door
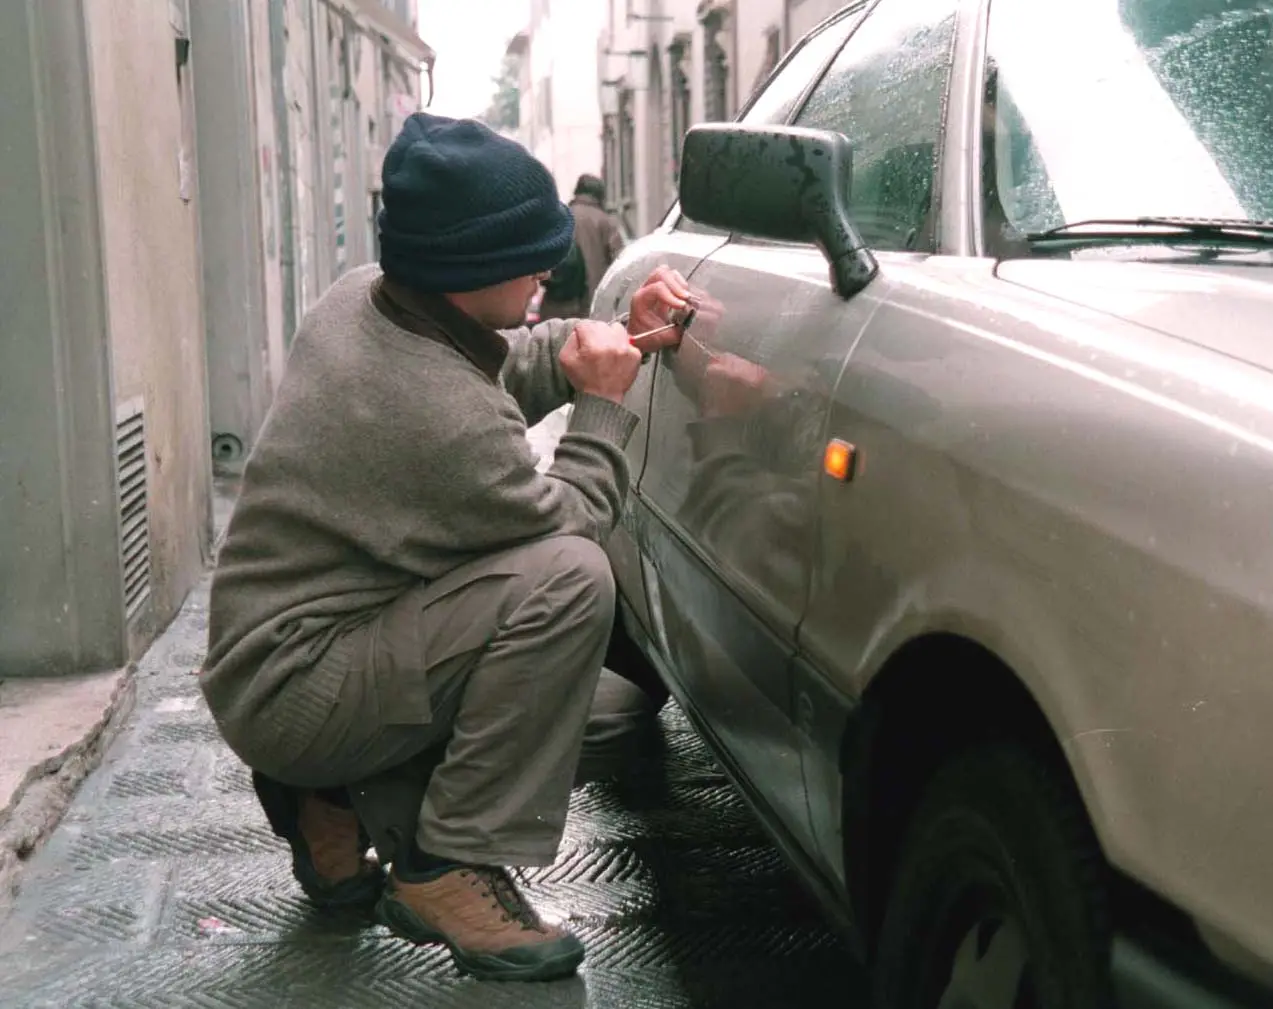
[(682, 249), (888, 91), (729, 485)]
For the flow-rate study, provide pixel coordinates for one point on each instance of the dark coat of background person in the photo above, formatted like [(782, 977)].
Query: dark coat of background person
[(599, 243)]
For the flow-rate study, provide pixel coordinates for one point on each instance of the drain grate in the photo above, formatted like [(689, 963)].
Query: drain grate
[(134, 505)]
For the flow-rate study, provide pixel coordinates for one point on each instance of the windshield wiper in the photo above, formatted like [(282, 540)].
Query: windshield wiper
[(1157, 229)]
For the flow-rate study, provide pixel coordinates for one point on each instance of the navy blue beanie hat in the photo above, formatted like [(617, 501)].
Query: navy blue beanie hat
[(465, 208)]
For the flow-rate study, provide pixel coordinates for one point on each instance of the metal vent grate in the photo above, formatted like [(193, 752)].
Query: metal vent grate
[(134, 510)]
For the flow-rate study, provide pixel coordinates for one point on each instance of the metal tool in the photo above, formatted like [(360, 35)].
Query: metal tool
[(684, 323)]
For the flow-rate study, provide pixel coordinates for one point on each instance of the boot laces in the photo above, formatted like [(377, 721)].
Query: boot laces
[(508, 898)]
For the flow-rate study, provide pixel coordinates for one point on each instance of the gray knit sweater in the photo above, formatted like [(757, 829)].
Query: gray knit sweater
[(387, 459)]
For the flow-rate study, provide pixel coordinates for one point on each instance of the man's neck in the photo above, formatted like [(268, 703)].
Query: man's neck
[(434, 315), (470, 306)]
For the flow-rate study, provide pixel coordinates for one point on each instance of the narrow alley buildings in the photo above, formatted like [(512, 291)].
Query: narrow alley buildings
[(623, 107), (182, 181)]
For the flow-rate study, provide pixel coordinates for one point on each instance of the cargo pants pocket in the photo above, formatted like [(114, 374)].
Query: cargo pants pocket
[(425, 642), (399, 665)]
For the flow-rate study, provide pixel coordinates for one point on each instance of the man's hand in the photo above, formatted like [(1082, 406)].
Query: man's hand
[(663, 293), (599, 360)]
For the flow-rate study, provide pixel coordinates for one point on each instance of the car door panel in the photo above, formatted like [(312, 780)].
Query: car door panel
[(683, 244), (735, 449), (682, 251)]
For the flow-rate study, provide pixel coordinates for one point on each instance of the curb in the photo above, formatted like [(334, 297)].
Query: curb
[(36, 804)]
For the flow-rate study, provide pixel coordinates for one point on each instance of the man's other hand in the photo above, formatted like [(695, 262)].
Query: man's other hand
[(599, 360), (664, 293)]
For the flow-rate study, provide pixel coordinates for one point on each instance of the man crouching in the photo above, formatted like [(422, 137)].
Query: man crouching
[(408, 620)]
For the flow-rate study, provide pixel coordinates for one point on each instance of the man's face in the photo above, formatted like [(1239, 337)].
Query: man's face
[(504, 305)]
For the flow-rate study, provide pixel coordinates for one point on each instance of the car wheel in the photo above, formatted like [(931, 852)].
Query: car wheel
[(998, 901)]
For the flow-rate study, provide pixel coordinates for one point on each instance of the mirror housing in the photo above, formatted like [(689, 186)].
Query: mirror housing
[(784, 183)]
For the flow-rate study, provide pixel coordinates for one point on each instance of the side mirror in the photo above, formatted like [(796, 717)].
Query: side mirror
[(780, 182)]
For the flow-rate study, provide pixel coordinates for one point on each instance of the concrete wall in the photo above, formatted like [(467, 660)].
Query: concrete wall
[(239, 386), (263, 144), (61, 592), (346, 101), (148, 184), (302, 98)]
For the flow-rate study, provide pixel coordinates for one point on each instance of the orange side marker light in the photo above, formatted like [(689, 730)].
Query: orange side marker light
[(840, 460)]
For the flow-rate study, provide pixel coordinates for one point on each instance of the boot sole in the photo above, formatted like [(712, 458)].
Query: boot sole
[(563, 961), (358, 893), (362, 897)]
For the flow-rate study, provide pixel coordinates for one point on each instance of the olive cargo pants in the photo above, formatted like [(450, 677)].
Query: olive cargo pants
[(465, 705)]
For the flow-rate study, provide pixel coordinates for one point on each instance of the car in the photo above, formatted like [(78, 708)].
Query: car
[(951, 519)]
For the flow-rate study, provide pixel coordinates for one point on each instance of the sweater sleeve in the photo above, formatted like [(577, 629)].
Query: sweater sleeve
[(487, 494), (532, 373)]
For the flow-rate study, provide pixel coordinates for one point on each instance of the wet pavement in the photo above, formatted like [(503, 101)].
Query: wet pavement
[(164, 888)]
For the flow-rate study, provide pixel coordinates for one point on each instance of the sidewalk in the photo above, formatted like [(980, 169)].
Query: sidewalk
[(163, 887)]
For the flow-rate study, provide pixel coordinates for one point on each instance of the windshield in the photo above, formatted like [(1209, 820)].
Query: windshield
[(1127, 108)]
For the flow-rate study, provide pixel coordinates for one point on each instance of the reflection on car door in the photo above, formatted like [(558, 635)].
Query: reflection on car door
[(887, 92), (682, 251), (682, 248), (735, 451)]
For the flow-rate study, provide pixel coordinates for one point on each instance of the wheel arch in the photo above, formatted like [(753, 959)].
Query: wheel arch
[(935, 695)]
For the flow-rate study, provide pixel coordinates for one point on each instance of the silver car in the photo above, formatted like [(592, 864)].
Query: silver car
[(952, 519)]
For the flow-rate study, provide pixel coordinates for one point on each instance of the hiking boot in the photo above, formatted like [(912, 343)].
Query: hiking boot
[(492, 932), (328, 856), (327, 843)]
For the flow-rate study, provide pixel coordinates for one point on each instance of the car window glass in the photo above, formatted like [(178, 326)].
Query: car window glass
[(1168, 114), (775, 103), (886, 92)]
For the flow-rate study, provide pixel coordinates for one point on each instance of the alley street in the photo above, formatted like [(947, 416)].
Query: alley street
[(164, 888)]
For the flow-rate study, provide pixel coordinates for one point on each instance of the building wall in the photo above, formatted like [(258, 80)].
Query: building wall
[(263, 147), (61, 588), (638, 90), (806, 14), (346, 100), (301, 80), (322, 95), (239, 386), (560, 111), (761, 23), (374, 130), (150, 235), (118, 290)]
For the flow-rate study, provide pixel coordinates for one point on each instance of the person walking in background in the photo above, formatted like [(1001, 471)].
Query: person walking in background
[(598, 242)]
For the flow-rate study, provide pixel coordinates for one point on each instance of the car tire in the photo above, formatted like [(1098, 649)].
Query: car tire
[(998, 900)]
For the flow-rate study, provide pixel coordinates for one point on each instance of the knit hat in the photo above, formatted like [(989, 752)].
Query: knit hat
[(465, 208)]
